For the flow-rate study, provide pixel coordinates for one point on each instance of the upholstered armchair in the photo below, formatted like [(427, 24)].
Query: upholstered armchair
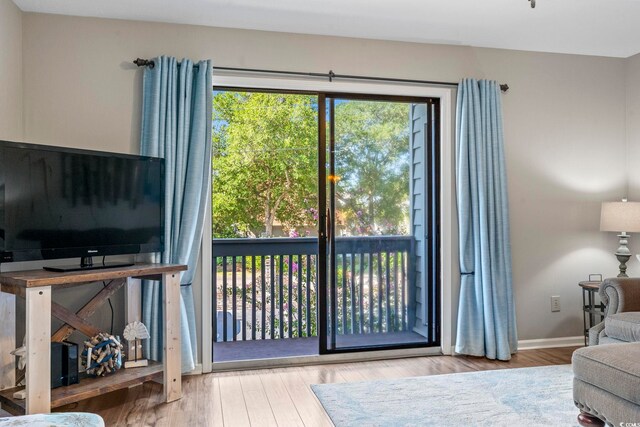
[(607, 373), (621, 297)]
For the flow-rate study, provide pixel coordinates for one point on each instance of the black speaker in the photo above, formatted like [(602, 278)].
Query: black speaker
[(64, 364)]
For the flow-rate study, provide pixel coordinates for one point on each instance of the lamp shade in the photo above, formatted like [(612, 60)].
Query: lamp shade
[(620, 216)]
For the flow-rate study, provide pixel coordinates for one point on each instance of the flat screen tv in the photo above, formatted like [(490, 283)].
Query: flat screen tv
[(67, 203)]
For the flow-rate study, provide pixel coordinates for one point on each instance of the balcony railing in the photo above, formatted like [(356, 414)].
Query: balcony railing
[(267, 288)]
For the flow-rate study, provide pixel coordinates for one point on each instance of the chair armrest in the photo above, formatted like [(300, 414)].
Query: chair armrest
[(594, 333), (620, 294)]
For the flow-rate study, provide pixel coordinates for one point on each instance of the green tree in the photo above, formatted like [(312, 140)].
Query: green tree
[(264, 162), (372, 164)]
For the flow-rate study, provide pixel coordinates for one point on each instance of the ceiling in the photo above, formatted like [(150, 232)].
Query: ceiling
[(588, 27)]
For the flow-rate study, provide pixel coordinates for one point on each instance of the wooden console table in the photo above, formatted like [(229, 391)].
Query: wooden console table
[(35, 287)]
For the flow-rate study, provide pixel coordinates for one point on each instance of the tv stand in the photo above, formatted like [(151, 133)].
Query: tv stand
[(36, 287), (86, 263)]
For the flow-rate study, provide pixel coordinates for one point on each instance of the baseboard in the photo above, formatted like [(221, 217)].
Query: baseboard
[(543, 343), (551, 342), (374, 355)]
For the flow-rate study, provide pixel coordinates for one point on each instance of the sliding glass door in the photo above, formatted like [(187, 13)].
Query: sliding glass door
[(324, 223), (381, 204)]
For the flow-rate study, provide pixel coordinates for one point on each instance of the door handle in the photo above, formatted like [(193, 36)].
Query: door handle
[(328, 225)]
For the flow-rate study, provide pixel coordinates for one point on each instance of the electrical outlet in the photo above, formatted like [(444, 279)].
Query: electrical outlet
[(555, 303)]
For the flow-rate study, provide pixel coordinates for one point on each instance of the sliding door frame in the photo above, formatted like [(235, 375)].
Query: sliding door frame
[(448, 274), (432, 276), (323, 229)]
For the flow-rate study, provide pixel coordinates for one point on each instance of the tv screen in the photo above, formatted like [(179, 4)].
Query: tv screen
[(63, 203)]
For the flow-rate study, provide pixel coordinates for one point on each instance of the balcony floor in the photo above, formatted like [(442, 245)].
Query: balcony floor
[(233, 351)]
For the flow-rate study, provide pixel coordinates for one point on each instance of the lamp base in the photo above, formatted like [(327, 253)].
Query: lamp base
[(623, 253), (622, 258)]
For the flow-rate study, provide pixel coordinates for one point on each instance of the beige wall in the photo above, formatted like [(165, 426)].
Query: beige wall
[(10, 71), (564, 125), (633, 128), (565, 134), (10, 129)]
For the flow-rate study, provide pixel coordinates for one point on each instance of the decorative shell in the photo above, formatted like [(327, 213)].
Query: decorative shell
[(135, 331), (21, 354)]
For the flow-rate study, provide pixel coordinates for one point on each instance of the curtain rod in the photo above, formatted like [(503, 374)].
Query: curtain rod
[(330, 75)]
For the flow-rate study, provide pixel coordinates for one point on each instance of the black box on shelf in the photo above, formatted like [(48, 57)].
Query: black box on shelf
[(64, 364)]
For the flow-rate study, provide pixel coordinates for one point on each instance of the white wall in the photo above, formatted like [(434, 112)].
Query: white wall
[(564, 125)]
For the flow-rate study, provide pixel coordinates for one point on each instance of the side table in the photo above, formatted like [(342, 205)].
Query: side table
[(592, 307)]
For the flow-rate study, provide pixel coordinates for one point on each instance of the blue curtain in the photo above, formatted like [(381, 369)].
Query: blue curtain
[(176, 125), (486, 313)]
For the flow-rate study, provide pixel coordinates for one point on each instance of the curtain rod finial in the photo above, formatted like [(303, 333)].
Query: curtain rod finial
[(144, 62), (504, 87)]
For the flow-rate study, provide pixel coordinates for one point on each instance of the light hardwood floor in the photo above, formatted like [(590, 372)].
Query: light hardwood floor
[(279, 397)]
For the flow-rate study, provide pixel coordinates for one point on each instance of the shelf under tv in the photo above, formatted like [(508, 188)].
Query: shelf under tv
[(87, 387)]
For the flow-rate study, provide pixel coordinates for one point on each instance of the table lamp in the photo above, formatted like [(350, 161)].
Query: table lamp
[(622, 217)]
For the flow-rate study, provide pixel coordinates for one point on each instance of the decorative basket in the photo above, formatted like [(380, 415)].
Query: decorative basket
[(102, 355)]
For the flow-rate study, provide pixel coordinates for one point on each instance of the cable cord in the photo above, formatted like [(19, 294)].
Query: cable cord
[(109, 301)]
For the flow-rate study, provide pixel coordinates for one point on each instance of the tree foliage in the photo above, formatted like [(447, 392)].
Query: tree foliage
[(264, 162), (372, 163)]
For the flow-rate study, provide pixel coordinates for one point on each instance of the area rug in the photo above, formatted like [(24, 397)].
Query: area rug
[(540, 396)]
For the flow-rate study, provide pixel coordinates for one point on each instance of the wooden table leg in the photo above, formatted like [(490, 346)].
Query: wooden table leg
[(7, 339), (588, 420), (171, 334), (38, 328)]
